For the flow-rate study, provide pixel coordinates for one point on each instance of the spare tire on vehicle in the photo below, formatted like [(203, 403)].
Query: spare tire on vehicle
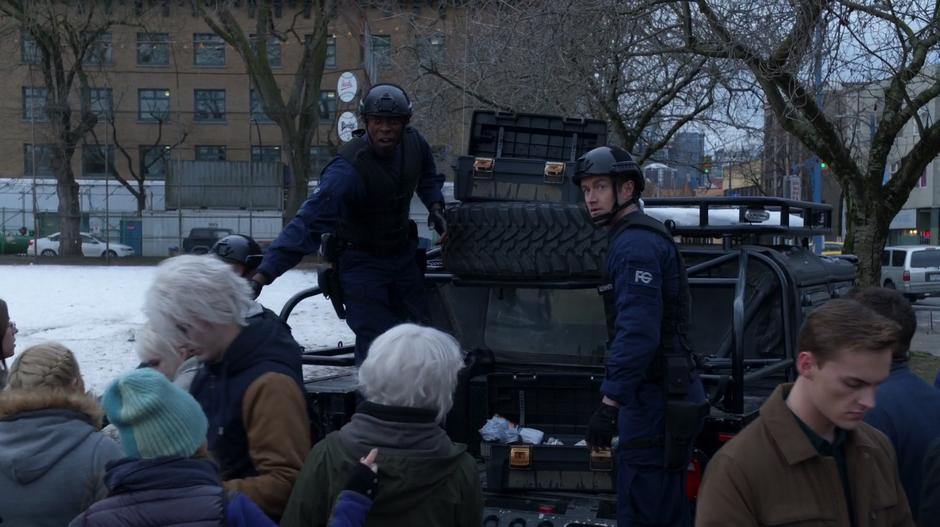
[(523, 240)]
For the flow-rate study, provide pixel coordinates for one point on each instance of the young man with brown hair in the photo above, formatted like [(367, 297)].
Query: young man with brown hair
[(809, 458)]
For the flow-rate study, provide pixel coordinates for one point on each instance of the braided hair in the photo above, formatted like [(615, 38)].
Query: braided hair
[(50, 365)]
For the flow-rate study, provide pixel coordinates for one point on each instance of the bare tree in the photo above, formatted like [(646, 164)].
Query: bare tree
[(66, 35), (134, 175), (600, 58), (296, 109), (872, 59)]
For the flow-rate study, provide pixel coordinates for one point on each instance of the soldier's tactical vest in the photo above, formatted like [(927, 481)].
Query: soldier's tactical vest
[(380, 222), (674, 353)]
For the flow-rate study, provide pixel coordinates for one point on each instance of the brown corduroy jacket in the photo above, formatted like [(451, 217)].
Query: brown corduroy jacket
[(770, 474)]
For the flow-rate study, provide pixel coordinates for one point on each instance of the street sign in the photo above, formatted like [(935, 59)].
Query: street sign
[(346, 125), (794, 187), (347, 86)]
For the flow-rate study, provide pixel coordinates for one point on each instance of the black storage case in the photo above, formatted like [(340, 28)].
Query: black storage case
[(524, 157), (558, 404)]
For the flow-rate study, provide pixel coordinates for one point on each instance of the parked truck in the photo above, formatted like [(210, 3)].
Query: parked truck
[(517, 284)]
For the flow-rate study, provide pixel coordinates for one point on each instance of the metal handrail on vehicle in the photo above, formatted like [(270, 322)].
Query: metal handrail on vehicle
[(817, 217), (732, 354), (323, 357)]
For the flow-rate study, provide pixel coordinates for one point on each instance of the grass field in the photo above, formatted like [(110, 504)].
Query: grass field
[(925, 365)]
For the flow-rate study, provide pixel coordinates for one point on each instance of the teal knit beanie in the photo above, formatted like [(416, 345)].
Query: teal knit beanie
[(154, 417)]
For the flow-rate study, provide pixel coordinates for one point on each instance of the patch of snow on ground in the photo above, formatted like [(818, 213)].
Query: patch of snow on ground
[(94, 311)]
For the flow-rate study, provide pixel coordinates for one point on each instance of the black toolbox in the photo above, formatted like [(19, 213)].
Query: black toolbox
[(522, 157), (558, 404)]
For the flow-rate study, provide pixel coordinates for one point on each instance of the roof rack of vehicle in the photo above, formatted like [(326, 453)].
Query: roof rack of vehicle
[(746, 215)]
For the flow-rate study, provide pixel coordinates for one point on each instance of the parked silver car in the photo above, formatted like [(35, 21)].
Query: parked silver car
[(914, 270), (91, 246)]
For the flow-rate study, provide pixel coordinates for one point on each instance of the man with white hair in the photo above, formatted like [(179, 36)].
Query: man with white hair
[(250, 386), (408, 382)]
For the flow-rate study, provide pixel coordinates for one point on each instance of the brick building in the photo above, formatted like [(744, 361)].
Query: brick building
[(178, 92)]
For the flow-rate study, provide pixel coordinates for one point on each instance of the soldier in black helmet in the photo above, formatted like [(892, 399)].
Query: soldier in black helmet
[(240, 251), (363, 202), (650, 398)]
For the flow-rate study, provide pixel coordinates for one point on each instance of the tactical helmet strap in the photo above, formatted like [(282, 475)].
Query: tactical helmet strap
[(602, 220)]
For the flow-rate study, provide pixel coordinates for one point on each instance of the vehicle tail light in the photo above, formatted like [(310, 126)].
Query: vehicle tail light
[(724, 438), (906, 276), (693, 476)]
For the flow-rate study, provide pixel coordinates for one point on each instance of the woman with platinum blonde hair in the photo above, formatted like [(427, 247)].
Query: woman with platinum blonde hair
[(193, 300), (408, 381), (249, 384)]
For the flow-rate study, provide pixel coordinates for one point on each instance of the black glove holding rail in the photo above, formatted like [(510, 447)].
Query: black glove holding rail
[(602, 427), (436, 219)]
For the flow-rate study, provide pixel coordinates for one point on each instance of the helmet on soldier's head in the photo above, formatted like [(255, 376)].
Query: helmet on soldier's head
[(617, 164), (610, 161), (238, 249), (385, 100)]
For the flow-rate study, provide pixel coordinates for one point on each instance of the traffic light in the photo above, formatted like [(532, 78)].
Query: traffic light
[(823, 165), (707, 165)]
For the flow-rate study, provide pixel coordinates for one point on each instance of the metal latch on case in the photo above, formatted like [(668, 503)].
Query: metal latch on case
[(520, 456), (483, 167), (601, 460), (554, 172)]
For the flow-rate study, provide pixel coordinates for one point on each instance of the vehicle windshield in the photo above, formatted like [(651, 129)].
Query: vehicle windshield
[(532, 325)]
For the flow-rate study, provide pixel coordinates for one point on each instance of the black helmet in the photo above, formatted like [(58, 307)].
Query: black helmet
[(618, 165), (386, 100), (609, 161), (240, 249)]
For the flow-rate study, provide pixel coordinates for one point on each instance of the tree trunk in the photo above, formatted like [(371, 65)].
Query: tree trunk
[(70, 241), (867, 240), (298, 155)]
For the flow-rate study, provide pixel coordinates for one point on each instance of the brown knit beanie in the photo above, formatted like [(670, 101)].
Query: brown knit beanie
[(50, 365)]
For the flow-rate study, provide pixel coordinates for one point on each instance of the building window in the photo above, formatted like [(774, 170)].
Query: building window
[(153, 105), (34, 104), (327, 105), (265, 154), (95, 163), (210, 152), (209, 106), (153, 49), (431, 49), (381, 51), (257, 109), (100, 51), (154, 161), (331, 51), (208, 50), (43, 155), (274, 50), (100, 102), (319, 157), (29, 50)]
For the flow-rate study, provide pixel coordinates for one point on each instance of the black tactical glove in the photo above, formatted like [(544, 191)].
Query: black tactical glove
[(602, 427), (436, 219), (255, 288)]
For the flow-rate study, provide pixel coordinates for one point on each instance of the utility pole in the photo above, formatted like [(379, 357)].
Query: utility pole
[(817, 167), (107, 179)]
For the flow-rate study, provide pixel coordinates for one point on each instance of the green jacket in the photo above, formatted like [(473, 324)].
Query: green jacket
[(433, 483)]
